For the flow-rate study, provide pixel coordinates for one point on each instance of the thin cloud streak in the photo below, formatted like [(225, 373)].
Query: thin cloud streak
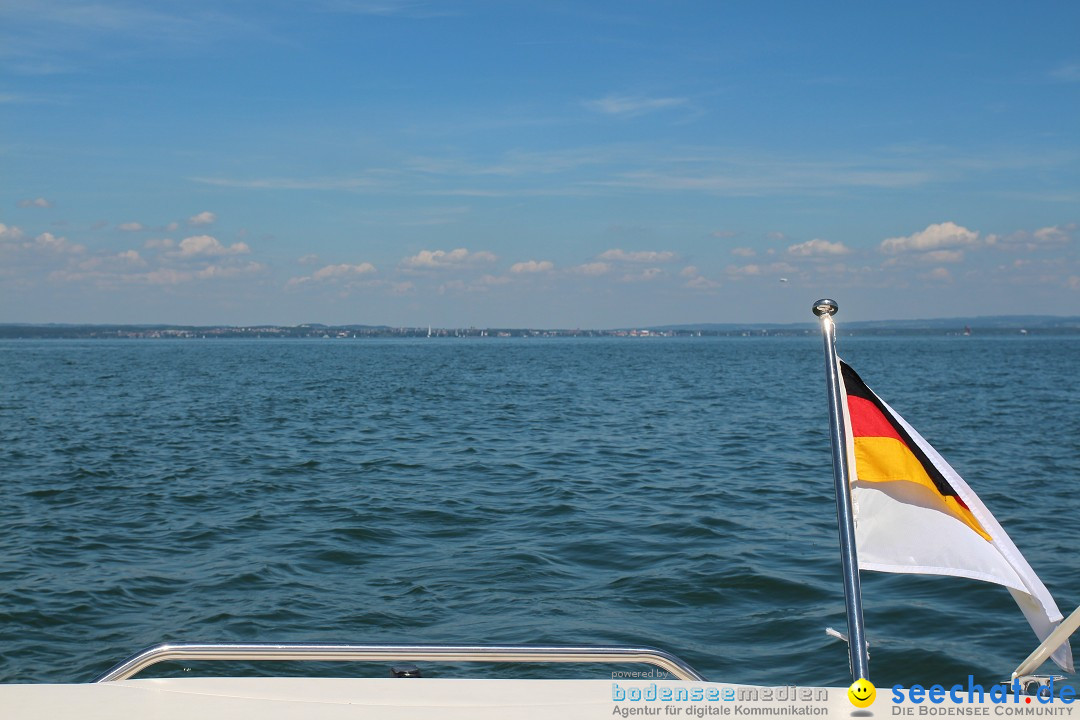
[(413, 9), (280, 183), (632, 106), (616, 170)]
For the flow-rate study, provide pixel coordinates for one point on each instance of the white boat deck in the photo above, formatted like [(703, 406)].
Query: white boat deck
[(391, 698)]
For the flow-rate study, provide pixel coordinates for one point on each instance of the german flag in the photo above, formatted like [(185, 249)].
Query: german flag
[(915, 514), (884, 452)]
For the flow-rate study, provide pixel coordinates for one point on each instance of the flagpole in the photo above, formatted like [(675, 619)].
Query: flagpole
[(845, 519)]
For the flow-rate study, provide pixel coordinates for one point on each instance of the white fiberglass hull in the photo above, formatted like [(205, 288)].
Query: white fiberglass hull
[(317, 698)]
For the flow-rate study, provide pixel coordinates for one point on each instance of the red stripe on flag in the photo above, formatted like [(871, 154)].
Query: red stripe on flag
[(868, 421)]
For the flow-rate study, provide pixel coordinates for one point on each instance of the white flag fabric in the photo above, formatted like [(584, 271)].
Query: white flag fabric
[(915, 514)]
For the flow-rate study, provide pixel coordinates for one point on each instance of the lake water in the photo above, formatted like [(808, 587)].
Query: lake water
[(670, 492)]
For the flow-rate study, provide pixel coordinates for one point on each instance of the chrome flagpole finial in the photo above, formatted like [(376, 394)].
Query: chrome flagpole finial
[(825, 306)]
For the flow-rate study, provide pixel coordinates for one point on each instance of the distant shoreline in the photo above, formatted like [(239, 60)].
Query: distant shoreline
[(995, 326)]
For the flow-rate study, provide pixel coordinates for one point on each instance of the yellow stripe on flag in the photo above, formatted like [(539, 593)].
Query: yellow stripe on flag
[(886, 459)]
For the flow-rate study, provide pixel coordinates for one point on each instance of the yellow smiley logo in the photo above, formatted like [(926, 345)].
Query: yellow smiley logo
[(862, 693)]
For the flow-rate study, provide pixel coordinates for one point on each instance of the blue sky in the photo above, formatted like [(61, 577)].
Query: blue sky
[(544, 164)]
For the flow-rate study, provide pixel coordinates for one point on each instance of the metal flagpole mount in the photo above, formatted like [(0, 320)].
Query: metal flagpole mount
[(825, 306), (845, 516)]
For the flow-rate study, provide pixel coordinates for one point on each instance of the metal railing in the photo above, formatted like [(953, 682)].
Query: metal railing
[(376, 653)]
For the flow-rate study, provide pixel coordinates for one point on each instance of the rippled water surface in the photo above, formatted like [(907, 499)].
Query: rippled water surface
[(670, 492)]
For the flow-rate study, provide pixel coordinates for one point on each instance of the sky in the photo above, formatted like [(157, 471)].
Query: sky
[(550, 164)]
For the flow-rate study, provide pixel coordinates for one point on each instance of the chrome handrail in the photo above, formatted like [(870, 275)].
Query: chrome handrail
[(369, 653)]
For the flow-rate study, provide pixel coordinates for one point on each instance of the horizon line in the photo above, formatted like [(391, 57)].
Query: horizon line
[(670, 325)]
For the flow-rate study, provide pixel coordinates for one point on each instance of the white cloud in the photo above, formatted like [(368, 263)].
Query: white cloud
[(532, 266), (756, 270), (203, 218), (298, 184), (401, 8), (50, 243), (10, 232), (1055, 235), (644, 256), (157, 243), (938, 275), (335, 272), (743, 252), (481, 285), (744, 270), (164, 276), (113, 270), (594, 268), (724, 234), (172, 227), (309, 259), (482, 256), (696, 280), (1067, 73), (131, 227), (934, 237), (700, 282), (818, 248), (1051, 236), (437, 259), (646, 275), (226, 271), (943, 256), (343, 272), (207, 245), (452, 286), (757, 175), (630, 105), (39, 202), (102, 267)]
